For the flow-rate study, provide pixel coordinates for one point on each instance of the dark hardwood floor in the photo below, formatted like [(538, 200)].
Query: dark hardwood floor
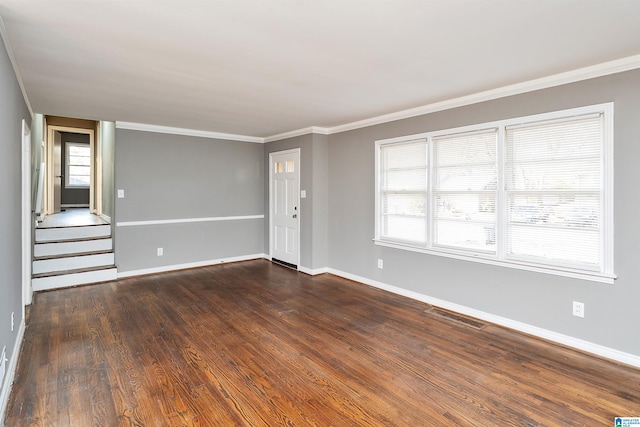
[(253, 343)]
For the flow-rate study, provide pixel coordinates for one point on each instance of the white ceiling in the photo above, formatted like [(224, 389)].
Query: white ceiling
[(263, 67)]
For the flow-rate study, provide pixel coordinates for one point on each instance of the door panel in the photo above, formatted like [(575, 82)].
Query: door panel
[(284, 206)]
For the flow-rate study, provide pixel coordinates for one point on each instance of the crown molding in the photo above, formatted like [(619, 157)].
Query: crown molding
[(298, 132), (580, 74), (14, 64), (599, 70), (188, 132)]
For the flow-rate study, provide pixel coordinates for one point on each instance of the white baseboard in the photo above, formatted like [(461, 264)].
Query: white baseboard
[(589, 347), (11, 372), (313, 271), (75, 205), (106, 218), (174, 267)]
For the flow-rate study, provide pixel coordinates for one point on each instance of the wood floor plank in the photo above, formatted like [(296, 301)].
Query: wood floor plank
[(257, 344)]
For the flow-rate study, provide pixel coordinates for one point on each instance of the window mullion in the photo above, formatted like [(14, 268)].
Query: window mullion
[(430, 198), (501, 196)]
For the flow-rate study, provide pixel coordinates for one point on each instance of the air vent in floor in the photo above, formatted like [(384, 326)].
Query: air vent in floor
[(459, 318)]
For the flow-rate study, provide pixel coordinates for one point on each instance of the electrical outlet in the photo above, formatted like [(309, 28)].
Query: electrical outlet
[(160, 251), (380, 264), (12, 322), (120, 194), (578, 309)]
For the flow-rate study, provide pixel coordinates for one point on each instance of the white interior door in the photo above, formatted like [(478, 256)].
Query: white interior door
[(284, 202)]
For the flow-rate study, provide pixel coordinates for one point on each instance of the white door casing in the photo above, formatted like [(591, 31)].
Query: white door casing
[(26, 215), (284, 206)]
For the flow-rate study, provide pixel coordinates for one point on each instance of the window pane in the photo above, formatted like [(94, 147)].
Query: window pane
[(554, 180), (465, 164), (82, 161), (289, 166), (403, 197), (466, 148), (557, 155), (79, 150), (404, 204), (79, 170), (404, 228), (404, 156), (467, 207), (79, 181), (462, 178), (465, 235), (559, 210), (577, 246)]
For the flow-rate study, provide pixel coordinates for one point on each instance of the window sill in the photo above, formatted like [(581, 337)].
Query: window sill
[(557, 271)]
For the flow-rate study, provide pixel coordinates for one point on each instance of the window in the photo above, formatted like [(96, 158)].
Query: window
[(532, 192), (78, 168)]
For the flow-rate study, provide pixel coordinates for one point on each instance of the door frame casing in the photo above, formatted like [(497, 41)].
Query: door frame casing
[(95, 178), (295, 151), (27, 217)]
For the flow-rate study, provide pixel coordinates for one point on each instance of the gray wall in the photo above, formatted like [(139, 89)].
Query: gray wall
[(179, 177), (70, 195), (108, 146), (313, 209), (12, 111), (537, 299)]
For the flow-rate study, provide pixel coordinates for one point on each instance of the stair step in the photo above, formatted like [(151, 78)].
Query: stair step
[(72, 233), (72, 247), (68, 278), (79, 261), (42, 258)]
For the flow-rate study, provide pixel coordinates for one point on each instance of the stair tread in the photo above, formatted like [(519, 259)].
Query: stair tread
[(73, 271), (72, 255), (84, 239)]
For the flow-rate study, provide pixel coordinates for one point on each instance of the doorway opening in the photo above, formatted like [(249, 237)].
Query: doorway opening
[(72, 165)]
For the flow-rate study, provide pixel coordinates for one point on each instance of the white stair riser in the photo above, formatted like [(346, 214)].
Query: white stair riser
[(72, 263), (72, 233), (63, 248), (63, 281)]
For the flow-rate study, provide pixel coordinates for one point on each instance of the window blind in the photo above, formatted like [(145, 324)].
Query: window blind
[(553, 182), (464, 190), (403, 185)]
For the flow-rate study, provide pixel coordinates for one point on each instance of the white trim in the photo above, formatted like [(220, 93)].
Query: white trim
[(577, 75), (599, 70), (597, 349), (313, 271), (188, 132), (27, 216), (14, 64), (175, 267), (186, 220), (298, 132), (11, 371), (105, 217)]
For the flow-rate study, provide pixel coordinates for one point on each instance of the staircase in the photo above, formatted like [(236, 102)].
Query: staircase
[(69, 256)]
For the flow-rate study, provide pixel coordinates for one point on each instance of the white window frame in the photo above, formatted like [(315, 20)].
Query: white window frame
[(67, 176), (606, 270)]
